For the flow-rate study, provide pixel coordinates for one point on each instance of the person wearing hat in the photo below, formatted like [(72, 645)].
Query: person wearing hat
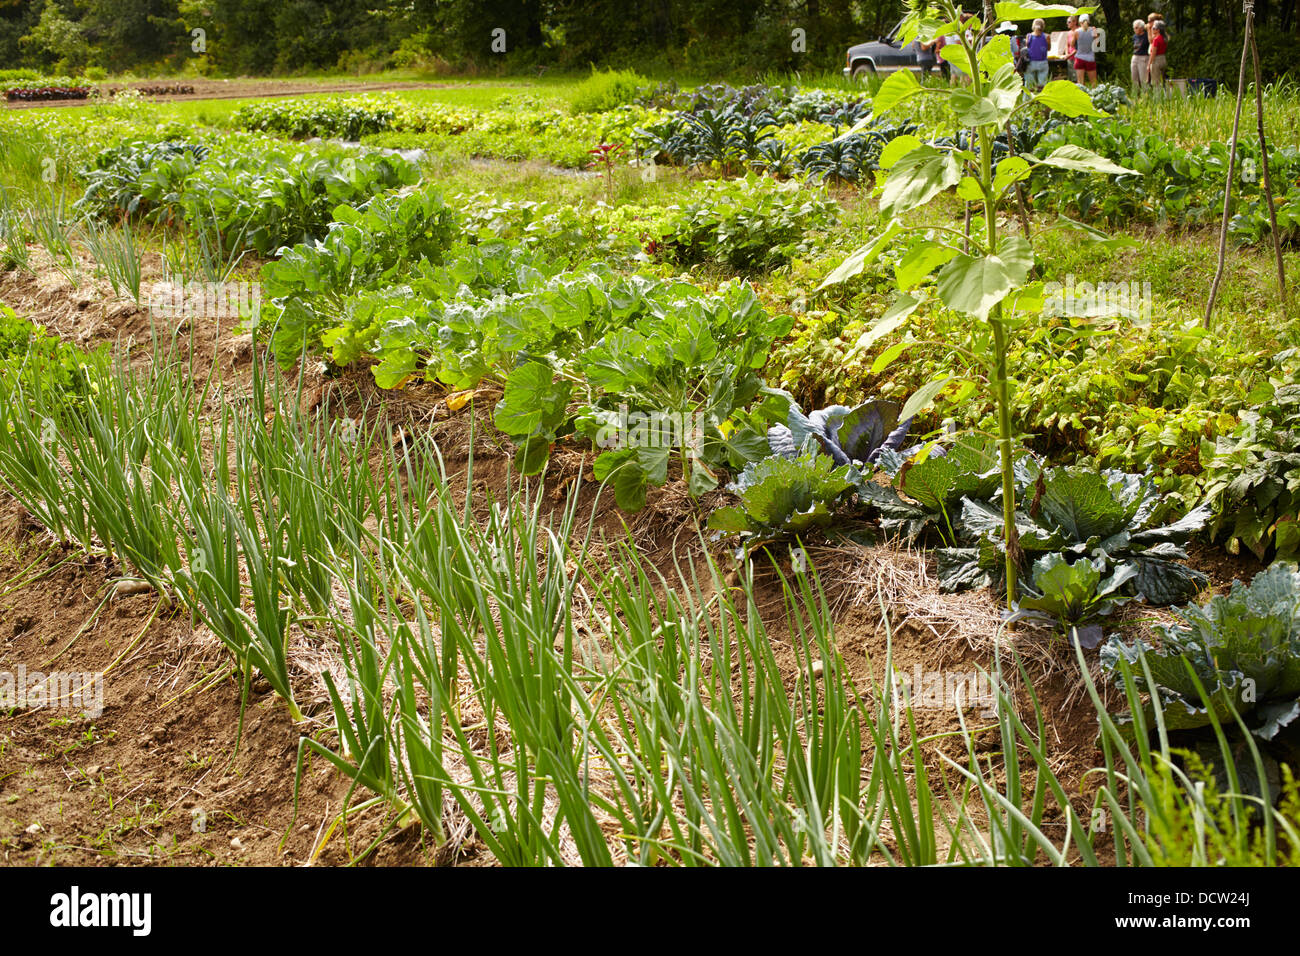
[(1085, 55), (1138, 66), (1008, 29), (1036, 46)]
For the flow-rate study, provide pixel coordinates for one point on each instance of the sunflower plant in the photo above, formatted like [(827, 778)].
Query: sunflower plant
[(982, 272)]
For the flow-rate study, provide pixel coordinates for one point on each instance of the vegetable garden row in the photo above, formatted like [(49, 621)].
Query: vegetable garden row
[(914, 388)]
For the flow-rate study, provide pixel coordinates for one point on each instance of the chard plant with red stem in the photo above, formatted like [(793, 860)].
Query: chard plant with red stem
[(605, 155)]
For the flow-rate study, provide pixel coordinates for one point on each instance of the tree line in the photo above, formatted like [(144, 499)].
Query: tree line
[(735, 38)]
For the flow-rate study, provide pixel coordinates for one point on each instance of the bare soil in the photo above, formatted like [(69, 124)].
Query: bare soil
[(181, 767)]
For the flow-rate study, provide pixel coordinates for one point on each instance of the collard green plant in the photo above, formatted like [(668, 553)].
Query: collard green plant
[(985, 276), (364, 246), (135, 176), (1168, 182), (248, 193), (746, 224)]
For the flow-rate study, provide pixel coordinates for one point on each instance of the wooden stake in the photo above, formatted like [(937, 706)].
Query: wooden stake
[(1208, 321), (1268, 182)]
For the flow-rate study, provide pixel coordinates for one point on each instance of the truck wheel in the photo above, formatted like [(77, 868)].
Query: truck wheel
[(864, 72)]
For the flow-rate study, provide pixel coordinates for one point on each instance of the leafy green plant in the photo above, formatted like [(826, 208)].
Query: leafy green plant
[(708, 137), (1167, 182), (850, 158), (364, 246), (136, 176), (606, 90), (1234, 663), (1253, 474), (1073, 595), (781, 495), (1106, 516), (935, 486), (30, 357), (1108, 97), (278, 197), (850, 436), (746, 224), (342, 117), (249, 193)]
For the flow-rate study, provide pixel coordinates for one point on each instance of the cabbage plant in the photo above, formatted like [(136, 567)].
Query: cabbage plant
[(1235, 657)]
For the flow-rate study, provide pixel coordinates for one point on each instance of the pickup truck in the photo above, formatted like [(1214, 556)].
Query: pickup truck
[(883, 56)]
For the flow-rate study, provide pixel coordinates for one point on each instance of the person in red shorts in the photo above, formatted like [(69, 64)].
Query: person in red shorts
[(1085, 51)]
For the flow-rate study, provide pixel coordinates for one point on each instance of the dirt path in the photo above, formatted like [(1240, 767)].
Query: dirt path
[(246, 89)]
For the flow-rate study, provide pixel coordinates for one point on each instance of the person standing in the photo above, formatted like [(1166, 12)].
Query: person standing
[(1138, 66), (1156, 68), (927, 57), (1008, 29), (957, 70), (1085, 56), (1037, 72), (1071, 24)]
